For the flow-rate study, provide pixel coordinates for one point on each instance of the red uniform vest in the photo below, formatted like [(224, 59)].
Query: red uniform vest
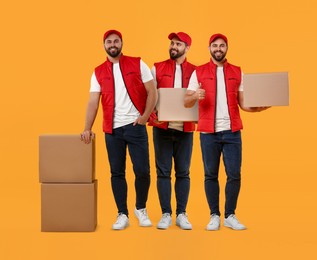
[(207, 76), (131, 73), (165, 77)]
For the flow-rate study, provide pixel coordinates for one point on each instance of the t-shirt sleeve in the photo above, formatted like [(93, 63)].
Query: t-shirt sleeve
[(193, 82), (145, 72), (94, 84), (153, 71)]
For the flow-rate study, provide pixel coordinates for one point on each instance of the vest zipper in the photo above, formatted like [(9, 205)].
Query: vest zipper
[(216, 91), (114, 95), (173, 85), (125, 85), (174, 74), (224, 74), (181, 66)]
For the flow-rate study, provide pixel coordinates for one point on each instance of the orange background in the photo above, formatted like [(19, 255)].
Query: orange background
[(48, 52)]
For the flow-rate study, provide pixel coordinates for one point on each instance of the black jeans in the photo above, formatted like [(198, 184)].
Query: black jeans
[(230, 146), (134, 138), (171, 144)]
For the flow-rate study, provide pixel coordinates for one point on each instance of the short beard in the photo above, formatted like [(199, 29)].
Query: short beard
[(219, 59), (114, 54), (177, 55)]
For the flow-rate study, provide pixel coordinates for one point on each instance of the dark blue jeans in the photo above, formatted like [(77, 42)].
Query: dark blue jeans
[(229, 145), (169, 144), (136, 139)]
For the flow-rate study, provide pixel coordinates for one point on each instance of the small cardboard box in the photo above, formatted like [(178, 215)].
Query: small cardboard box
[(170, 106), (68, 207), (266, 89), (65, 158)]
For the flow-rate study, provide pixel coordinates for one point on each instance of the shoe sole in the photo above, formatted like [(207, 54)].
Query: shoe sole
[(163, 228), (229, 226), (147, 225), (113, 228), (189, 228), (212, 229)]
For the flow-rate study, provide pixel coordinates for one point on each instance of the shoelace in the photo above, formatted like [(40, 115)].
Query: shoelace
[(143, 214), (183, 218), (234, 218), (214, 218), (120, 219), (165, 217)]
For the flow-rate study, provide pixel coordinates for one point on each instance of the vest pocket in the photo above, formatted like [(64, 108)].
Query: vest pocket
[(106, 84), (134, 78)]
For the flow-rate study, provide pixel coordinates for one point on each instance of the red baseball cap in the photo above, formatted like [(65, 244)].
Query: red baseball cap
[(217, 36), (107, 33), (184, 37)]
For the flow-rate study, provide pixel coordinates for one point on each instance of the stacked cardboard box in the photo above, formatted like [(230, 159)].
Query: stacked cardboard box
[(68, 185)]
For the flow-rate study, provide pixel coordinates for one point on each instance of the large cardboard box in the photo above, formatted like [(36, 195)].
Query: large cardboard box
[(68, 207), (170, 106), (65, 158)]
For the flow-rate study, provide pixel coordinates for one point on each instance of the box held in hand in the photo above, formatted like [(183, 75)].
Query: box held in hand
[(170, 106), (266, 89)]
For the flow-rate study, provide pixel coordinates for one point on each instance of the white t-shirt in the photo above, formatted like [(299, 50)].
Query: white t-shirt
[(178, 125), (222, 114), (124, 111)]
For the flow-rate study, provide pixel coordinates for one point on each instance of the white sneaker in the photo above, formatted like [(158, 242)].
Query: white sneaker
[(233, 222), (121, 223), (143, 218), (182, 222), (214, 223), (165, 221)]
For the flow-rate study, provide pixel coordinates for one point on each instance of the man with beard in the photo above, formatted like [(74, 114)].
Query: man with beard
[(173, 139), (217, 85), (128, 96)]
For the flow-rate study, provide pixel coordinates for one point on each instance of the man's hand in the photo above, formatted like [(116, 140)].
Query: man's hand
[(259, 109), (86, 136), (141, 120), (200, 93)]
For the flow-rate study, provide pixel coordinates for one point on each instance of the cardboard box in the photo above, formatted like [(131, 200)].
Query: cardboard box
[(65, 158), (68, 207), (170, 106), (266, 89)]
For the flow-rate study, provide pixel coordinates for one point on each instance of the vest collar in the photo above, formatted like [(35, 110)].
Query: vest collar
[(110, 62), (174, 62), (215, 65)]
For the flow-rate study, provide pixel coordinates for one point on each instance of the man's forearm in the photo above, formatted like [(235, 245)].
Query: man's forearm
[(151, 99), (91, 114)]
